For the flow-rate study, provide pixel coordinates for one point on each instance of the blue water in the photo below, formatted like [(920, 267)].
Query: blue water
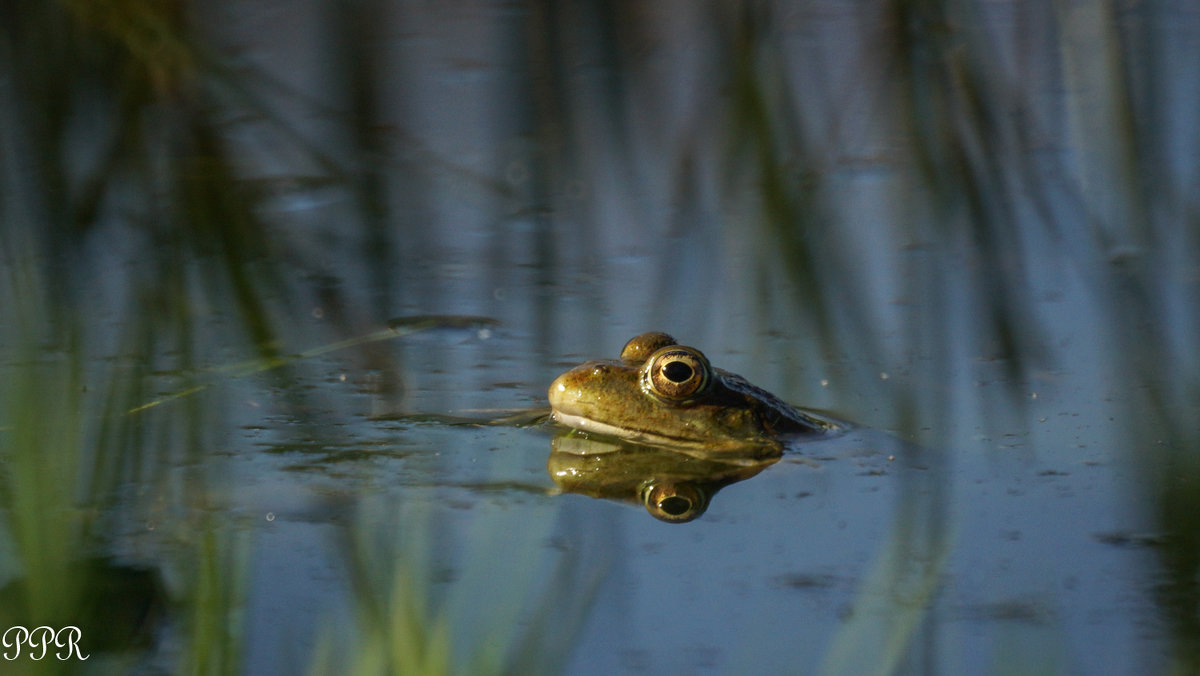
[(968, 230)]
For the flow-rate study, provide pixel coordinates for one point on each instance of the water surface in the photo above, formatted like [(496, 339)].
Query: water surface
[(967, 228)]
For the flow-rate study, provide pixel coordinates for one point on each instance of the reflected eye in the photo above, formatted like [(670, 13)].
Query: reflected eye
[(677, 372), (674, 503)]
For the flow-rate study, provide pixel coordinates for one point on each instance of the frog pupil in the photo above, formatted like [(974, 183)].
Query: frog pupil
[(675, 505), (677, 372)]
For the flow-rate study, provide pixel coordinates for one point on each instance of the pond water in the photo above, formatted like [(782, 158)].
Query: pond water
[(286, 284)]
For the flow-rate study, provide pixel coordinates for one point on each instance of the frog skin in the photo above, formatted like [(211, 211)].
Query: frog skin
[(665, 394), (673, 487)]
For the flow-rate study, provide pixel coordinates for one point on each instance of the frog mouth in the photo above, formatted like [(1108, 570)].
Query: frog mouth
[(730, 450), (589, 425)]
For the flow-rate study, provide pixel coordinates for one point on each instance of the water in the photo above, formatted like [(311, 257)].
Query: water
[(967, 228)]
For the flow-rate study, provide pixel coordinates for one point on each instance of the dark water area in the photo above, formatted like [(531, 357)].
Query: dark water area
[(284, 285)]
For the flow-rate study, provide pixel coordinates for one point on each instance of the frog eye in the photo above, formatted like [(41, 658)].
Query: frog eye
[(677, 372), (674, 502)]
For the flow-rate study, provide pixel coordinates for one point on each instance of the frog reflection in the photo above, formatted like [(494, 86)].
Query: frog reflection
[(674, 487), (662, 393), (678, 429)]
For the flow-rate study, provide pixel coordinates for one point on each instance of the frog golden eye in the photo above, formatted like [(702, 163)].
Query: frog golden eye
[(677, 372), (674, 502)]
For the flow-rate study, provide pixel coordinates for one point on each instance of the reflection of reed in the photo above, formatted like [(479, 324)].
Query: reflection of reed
[(514, 607), (1014, 140)]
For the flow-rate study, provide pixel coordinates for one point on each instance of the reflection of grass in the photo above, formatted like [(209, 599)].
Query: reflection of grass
[(214, 601), (41, 435), (156, 172), (892, 604), (399, 633), (508, 610), (40, 460), (397, 328), (54, 507), (116, 115), (988, 181)]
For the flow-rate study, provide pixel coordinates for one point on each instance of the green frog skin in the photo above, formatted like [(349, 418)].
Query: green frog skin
[(665, 394)]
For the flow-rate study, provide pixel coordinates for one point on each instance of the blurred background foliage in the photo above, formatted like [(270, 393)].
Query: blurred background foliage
[(189, 185)]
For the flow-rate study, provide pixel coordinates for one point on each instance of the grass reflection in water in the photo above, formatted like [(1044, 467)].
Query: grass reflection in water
[(982, 201)]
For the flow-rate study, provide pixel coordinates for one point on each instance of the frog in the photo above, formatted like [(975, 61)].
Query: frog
[(673, 487), (661, 393)]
